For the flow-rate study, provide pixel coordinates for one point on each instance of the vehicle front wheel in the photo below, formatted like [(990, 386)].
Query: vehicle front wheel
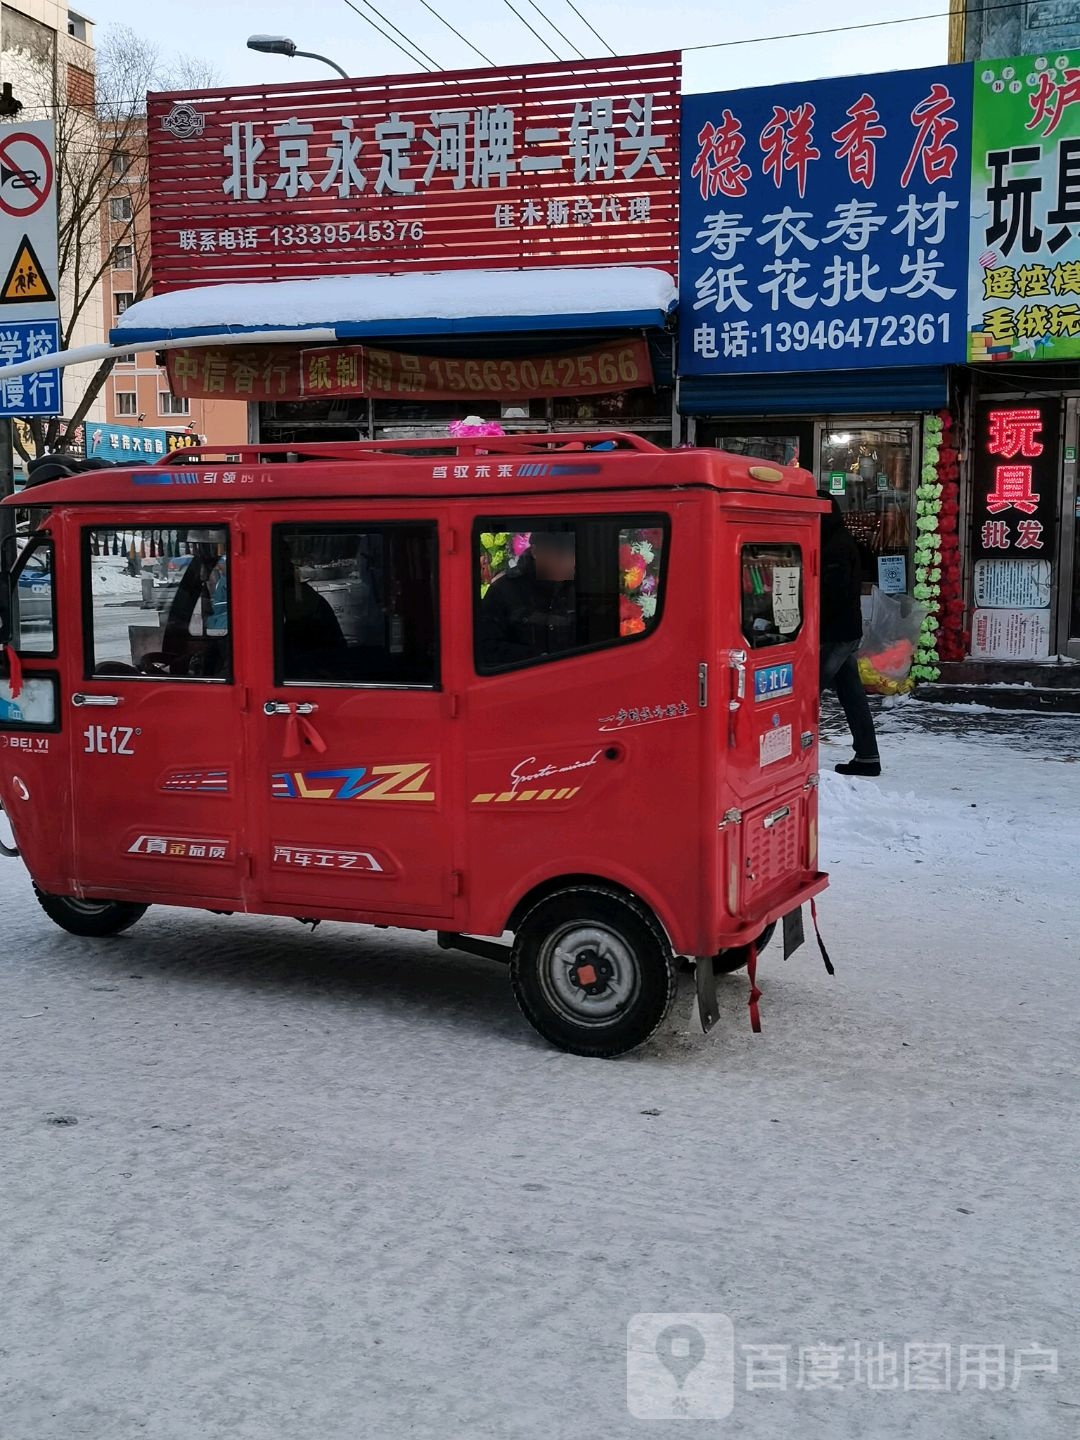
[(592, 971), (93, 918)]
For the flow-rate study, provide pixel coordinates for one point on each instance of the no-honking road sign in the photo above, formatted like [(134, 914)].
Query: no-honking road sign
[(29, 283)]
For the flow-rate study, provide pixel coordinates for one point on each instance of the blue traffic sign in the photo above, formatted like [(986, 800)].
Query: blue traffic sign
[(39, 393)]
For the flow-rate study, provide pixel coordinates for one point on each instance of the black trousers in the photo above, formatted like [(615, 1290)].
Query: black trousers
[(840, 673)]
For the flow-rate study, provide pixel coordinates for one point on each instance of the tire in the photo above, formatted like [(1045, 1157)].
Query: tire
[(93, 918), (728, 961), (585, 931)]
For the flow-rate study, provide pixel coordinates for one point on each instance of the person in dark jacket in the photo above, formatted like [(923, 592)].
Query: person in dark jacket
[(841, 635), (531, 610)]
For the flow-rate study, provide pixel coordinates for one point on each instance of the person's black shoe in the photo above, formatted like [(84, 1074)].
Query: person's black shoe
[(859, 767)]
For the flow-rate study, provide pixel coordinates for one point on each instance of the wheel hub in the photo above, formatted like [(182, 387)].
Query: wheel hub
[(591, 972), (588, 973)]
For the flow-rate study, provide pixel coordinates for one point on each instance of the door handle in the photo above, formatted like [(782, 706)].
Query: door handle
[(737, 693), (284, 707), (79, 699)]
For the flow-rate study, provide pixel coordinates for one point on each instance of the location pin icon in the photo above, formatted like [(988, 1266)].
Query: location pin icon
[(680, 1349)]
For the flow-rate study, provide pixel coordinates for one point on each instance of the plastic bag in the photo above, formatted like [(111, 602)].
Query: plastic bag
[(890, 634)]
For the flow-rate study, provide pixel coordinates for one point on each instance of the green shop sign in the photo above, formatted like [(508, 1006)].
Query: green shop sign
[(1024, 259)]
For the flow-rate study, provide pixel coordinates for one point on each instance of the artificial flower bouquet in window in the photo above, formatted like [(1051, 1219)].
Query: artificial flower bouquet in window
[(640, 553)]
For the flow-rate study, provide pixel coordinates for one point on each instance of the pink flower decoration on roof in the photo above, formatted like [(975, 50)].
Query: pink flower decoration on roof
[(473, 425)]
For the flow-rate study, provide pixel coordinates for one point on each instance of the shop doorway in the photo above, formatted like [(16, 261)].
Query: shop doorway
[(869, 466)]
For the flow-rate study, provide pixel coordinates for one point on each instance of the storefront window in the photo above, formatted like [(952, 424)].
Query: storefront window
[(786, 444), (869, 471)]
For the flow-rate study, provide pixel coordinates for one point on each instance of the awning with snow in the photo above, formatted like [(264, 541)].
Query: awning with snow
[(455, 302)]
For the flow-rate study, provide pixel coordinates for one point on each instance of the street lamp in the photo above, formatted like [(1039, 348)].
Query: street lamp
[(282, 45)]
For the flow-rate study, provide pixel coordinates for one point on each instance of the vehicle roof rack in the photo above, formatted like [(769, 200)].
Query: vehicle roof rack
[(466, 446)]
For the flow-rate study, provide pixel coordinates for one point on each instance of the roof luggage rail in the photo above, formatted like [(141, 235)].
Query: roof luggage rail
[(469, 445)]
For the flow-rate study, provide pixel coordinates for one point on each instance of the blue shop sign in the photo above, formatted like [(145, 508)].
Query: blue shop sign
[(134, 444), (824, 226)]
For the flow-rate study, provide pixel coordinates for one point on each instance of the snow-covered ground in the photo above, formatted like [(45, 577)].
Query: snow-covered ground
[(261, 1184)]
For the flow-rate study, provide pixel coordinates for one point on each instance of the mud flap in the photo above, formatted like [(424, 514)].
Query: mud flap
[(794, 934), (708, 1008)]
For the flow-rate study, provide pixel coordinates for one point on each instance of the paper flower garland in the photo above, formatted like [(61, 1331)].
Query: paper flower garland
[(937, 550), (927, 589), (952, 638)]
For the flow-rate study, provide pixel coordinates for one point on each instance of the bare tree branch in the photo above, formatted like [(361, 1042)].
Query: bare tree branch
[(101, 158)]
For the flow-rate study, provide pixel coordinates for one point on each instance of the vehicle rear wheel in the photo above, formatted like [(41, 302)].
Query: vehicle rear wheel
[(93, 918), (728, 961), (592, 971)]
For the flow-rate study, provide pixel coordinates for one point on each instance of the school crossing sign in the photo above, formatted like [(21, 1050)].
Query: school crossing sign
[(29, 267)]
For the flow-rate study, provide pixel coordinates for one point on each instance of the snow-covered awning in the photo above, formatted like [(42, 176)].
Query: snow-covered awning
[(456, 302)]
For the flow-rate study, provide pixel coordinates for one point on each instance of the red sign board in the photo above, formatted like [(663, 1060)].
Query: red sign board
[(1015, 492), (270, 372), (560, 164)]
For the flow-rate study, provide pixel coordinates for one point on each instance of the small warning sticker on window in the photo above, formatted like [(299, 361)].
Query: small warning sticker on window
[(775, 745)]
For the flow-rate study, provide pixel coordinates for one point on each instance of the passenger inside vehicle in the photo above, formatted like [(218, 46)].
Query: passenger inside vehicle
[(313, 644), (531, 610)]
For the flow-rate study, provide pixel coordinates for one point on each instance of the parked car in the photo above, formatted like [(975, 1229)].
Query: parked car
[(35, 590)]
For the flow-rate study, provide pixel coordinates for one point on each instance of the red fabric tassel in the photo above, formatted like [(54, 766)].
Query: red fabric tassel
[(291, 747), (821, 943), (312, 736), (15, 671), (755, 993)]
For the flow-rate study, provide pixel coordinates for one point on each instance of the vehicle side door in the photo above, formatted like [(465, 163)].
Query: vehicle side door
[(769, 725), (158, 733), (34, 732), (349, 798), (583, 714)]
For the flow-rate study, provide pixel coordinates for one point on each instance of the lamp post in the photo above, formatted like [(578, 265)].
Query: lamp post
[(282, 45)]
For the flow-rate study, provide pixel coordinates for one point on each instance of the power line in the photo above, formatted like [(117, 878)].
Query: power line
[(565, 38), (532, 29), (407, 38), (593, 28), (843, 29), (475, 49), (396, 44)]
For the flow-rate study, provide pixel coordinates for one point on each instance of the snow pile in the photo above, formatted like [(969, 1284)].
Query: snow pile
[(371, 300)]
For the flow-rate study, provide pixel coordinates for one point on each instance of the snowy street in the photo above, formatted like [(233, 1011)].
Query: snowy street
[(264, 1184)]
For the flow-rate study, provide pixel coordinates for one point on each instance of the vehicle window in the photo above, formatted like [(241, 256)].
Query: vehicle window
[(356, 605), (35, 602), (772, 596), (158, 602), (34, 707), (547, 588)]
